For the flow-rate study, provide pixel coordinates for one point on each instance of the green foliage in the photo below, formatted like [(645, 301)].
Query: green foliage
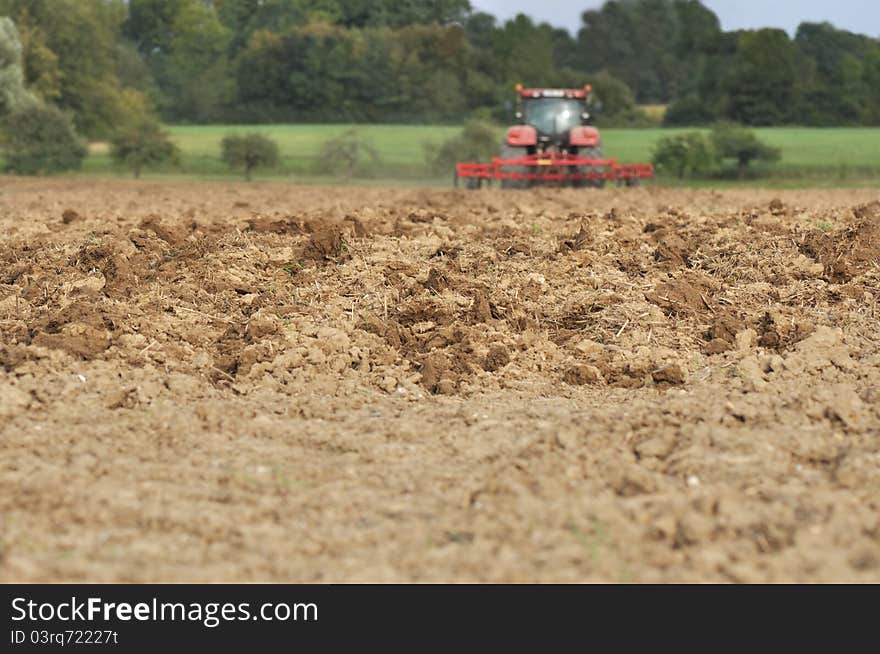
[(41, 140), (193, 70), (616, 98), (634, 118), (69, 57), (249, 152), (524, 52), (327, 72), (348, 155), (478, 141), (43, 73), (114, 62), (871, 67), (685, 155), (615, 105), (689, 110), (760, 85), (142, 145), (13, 94), (184, 45), (743, 146), (654, 46), (134, 73), (822, 77), (828, 46), (150, 24)]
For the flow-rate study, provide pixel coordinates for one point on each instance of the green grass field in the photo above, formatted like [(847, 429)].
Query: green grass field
[(810, 157)]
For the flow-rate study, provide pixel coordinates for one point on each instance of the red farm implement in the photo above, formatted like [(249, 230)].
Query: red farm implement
[(550, 168), (554, 142)]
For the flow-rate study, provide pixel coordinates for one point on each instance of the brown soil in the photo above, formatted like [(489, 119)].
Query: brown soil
[(274, 383)]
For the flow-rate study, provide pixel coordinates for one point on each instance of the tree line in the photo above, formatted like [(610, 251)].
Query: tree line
[(114, 63)]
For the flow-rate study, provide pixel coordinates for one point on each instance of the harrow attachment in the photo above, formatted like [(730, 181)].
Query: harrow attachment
[(553, 169)]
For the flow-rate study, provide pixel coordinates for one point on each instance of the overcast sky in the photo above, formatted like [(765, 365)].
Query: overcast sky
[(861, 16)]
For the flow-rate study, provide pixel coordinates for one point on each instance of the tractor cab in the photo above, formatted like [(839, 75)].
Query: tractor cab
[(554, 113), (553, 120)]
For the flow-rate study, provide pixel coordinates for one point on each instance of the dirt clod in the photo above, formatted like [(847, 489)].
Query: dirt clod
[(673, 373), (327, 243), (498, 357), (69, 216), (580, 374)]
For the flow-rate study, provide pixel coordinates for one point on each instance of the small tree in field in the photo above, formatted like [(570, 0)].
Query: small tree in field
[(142, 145), (41, 140), (348, 154), (684, 155), (743, 146), (249, 152), (478, 141)]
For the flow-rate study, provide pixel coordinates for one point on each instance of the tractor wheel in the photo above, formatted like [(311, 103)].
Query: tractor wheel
[(512, 152), (470, 183), (593, 153)]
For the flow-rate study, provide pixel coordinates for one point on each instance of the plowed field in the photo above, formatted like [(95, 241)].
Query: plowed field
[(212, 382)]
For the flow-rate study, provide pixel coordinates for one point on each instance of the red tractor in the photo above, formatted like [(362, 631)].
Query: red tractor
[(555, 143)]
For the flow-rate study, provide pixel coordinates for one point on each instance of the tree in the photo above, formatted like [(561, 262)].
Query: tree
[(872, 81), (699, 30), (760, 85), (70, 56), (834, 89), (615, 96), (347, 154), (351, 61), (13, 95), (524, 52), (186, 44), (301, 74), (149, 24), (244, 17), (43, 72), (828, 46), (685, 155), (478, 141), (249, 152), (743, 146), (703, 97), (480, 28), (142, 145), (41, 140), (194, 69), (654, 46)]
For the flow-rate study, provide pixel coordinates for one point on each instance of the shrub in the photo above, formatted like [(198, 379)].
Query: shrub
[(142, 145), (249, 152), (743, 146), (348, 155), (685, 155), (41, 140), (478, 141)]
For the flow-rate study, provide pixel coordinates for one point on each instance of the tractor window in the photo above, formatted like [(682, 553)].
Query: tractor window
[(553, 116)]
